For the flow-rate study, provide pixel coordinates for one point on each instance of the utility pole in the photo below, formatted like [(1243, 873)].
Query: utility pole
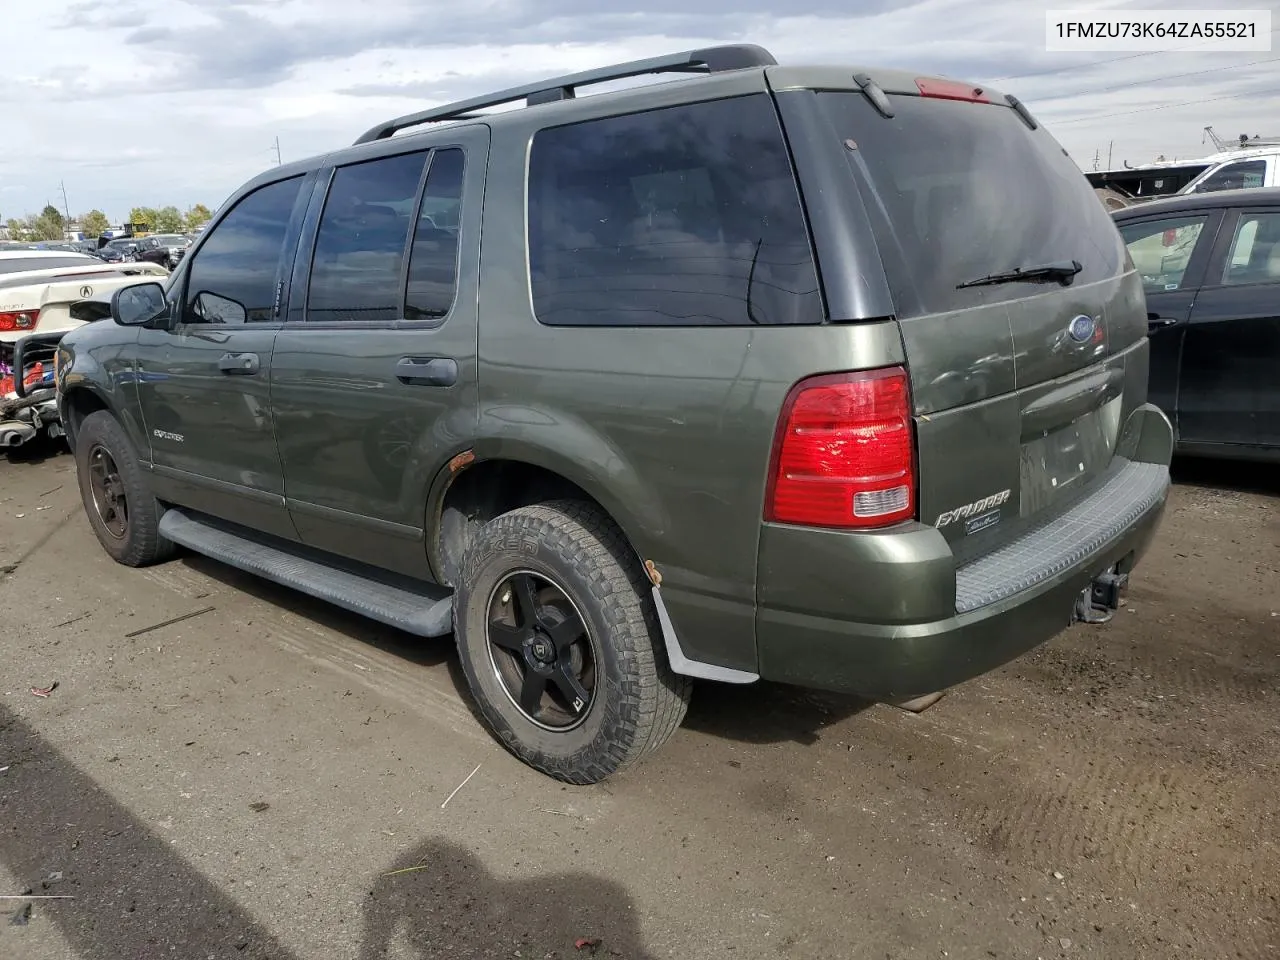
[(1109, 148), (66, 207), (277, 151)]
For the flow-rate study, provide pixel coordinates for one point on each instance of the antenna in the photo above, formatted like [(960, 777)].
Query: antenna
[(66, 207), (277, 148)]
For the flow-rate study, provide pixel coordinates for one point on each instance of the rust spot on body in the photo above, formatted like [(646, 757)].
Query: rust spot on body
[(464, 459), (654, 576)]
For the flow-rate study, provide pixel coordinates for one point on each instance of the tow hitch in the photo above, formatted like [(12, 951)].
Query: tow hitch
[(1101, 599)]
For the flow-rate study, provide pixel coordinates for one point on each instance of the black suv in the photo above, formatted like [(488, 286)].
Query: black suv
[(812, 374)]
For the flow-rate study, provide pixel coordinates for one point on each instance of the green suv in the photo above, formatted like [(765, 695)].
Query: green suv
[(816, 375)]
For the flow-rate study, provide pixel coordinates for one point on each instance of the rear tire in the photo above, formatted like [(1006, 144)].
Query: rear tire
[(610, 696), (116, 492)]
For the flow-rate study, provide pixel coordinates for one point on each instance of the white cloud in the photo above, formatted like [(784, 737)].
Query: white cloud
[(130, 103)]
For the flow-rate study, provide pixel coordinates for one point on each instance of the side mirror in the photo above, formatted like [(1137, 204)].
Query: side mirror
[(139, 304)]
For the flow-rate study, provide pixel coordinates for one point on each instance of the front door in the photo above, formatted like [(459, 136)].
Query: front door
[(203, 383), (373, 380), (1231, 358), (1171, 254)]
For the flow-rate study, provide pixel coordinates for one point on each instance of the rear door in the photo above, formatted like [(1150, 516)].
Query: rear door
[(1019, 387), (374, 376), (1170, 253), (1231, 358)]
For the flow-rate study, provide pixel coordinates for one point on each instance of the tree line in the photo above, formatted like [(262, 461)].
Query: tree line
[(49, 223)]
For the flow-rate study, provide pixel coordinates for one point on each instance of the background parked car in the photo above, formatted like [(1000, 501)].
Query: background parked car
[(165, 249), (121, 249), (1210, 264)]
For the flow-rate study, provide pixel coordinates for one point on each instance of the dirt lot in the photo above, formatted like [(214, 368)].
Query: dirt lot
[(268, 779)]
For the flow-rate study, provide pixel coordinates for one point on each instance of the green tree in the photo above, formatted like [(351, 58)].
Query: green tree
[(44, 227), (197, 216), (143, 218), (168, 220), (50, 213), (95, 223)]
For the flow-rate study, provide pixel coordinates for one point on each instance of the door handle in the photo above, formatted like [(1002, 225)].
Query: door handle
[(427, 371), (244, 364), (1155, 322)]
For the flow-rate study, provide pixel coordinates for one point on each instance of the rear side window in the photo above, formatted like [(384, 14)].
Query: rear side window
[(683, 216), (1255, 250), (960, 191), (355, 271), (233, 278), (433, 263), (1161, 249)]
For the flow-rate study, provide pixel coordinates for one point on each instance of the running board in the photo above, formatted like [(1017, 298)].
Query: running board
[(425, 610)]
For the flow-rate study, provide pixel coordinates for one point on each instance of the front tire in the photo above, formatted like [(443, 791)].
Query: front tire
[(117, 495), (560, 643)]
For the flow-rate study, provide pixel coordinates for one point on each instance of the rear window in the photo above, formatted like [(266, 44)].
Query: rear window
[(959, 191), (19, 264), (681, 216)]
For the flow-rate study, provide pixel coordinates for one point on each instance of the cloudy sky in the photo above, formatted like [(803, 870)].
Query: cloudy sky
[(133, 102)]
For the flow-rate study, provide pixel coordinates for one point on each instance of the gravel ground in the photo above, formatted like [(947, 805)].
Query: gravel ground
[(268, 779)]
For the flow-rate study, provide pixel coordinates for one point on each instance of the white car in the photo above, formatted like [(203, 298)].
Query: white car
[(37, 287)]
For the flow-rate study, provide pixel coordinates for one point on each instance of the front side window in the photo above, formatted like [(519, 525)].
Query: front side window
[(1161, 249), (233, 277), (1255, 250), (355, 271), (1234, 176), (683, 216)]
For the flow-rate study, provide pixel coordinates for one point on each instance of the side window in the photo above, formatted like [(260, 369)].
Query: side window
[(682, 216), (233, 277), (1161, 249), (1255, 250), (433, 264), (355, 272), (1235, 176)]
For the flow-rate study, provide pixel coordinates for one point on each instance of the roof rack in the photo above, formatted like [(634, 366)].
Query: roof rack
[(739, 56)]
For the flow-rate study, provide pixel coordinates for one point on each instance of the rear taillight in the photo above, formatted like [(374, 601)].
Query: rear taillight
[(20, 320), (842, 455)]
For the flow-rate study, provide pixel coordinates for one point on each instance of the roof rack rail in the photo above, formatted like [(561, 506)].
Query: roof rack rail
[(738, 56)]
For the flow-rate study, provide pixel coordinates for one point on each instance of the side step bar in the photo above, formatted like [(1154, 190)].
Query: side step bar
[(425, 609)]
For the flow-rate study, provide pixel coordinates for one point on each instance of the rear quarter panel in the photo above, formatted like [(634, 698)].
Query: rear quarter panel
[(670, 429)]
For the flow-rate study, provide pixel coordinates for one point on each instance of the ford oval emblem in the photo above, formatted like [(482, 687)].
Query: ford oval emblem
[(1081, 328)]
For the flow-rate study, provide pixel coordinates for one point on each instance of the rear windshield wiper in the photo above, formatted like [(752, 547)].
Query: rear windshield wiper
[(1063, 271)]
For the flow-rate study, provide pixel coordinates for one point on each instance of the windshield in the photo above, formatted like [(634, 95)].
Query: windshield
[(960, 191), (19, 264)]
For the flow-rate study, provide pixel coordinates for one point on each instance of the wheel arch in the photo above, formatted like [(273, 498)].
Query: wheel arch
[(472, 490), (76, 403)]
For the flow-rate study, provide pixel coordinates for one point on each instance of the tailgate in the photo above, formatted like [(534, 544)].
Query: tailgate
[(1020, 383)]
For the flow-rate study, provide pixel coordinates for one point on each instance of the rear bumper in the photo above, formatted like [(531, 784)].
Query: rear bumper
[(979, 616)]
